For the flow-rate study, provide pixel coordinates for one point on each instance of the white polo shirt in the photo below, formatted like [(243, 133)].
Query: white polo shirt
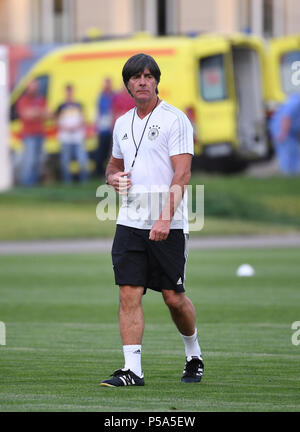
[(168, 133)]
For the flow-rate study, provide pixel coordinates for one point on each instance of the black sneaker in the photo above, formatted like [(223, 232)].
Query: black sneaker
[(193, 370), (123, 377)]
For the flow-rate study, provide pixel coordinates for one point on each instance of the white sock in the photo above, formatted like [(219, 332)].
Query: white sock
[(132, 355), (191, 344)]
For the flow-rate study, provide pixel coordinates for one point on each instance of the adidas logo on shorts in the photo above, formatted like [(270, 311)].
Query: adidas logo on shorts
[(125, 137)]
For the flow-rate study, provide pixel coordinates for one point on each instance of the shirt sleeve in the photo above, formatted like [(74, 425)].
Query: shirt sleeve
[(181, 137), (116, 149)]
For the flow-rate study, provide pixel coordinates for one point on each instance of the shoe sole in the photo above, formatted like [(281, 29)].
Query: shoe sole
[(106, 385), (110, 385), (191, 380)]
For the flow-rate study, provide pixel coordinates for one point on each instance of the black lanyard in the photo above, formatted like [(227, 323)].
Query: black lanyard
[(138, 147)]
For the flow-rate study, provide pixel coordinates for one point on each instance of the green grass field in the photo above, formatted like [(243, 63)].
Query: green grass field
[(233, 205), (62, 335)]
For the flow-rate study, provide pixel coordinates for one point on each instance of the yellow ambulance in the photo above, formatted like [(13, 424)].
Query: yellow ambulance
[(217, 80), (282, 69)]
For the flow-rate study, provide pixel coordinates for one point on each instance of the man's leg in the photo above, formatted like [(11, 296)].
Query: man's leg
[(182, 311), (104, 143), (38, 163), (83, 161), (131, 320), (293, 156), (131, 316), (184, 316), (28, 158), (65, 159)]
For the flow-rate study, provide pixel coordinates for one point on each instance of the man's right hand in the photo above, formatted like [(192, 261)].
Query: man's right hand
[(120, 181)]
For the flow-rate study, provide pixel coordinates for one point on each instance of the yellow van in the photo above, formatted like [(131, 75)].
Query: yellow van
[(282, 69), (217, 80)]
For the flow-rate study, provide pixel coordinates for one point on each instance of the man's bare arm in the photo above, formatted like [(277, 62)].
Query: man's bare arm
[(182, 174), (116, 177)]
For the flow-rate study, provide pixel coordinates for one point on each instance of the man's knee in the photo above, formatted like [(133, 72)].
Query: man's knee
[(173, 299), (130, 296)]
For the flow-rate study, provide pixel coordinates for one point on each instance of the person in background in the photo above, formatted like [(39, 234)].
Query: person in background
[(122, 103), (285, 132), (32, 111), (104, 125), (71, 135)]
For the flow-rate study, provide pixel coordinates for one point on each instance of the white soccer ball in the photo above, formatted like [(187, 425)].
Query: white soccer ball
[(245, 270)]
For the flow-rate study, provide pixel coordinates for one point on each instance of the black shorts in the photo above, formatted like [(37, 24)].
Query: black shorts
[(139, 261)]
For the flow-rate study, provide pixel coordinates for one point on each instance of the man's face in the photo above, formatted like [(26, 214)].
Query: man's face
[(142, 86), (69, 93), (33, 88), (107, 85)]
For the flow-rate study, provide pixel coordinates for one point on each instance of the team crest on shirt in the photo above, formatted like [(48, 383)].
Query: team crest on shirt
[(153, 132)]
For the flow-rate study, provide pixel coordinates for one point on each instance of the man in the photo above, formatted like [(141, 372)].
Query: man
[(285, 131), (104, 125), (122, 102), (152, 146), (71, 134), (32, 110)]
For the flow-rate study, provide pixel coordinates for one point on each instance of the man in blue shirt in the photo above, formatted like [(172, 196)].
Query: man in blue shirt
[(285, 131), (104, 125)]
